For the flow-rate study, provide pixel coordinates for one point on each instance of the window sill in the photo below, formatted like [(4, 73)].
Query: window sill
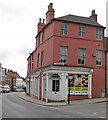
[(81, 64)]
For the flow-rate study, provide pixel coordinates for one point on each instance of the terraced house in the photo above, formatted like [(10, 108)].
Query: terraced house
[(69, 51)]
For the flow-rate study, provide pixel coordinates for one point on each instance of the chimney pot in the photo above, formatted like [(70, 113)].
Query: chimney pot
[(50, 13), (93, 12), (39, 20), (93, 15), (43, 20), (50, 6)]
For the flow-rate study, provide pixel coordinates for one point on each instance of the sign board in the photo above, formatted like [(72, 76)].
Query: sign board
[(69, 77)]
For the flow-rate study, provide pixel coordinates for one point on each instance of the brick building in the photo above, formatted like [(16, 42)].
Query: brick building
[(67, 47), (106, 59)]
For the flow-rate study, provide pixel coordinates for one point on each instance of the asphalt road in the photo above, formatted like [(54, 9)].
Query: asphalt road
[(15, 107)]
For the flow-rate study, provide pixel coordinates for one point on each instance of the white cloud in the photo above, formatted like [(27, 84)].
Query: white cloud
[(18, 25)]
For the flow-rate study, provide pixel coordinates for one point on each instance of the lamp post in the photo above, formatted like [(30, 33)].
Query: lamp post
[(69, 91)]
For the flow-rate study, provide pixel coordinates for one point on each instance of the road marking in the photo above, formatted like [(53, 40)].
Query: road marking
[(101, 117), (95, 113)]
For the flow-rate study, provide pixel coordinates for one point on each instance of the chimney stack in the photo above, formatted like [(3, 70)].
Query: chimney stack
[(50, 13), (40, 25), (93, 15)]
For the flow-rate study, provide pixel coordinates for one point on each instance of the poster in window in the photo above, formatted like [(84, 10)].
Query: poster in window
[(79, 84)]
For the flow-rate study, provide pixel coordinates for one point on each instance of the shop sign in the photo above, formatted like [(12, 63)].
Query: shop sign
[(55, 76)]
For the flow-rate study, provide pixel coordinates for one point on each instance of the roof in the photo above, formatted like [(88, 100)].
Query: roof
[(79, 19), (14, 74), (75, 19)]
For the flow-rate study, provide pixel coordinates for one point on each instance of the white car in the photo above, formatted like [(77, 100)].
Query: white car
[(6, 89)]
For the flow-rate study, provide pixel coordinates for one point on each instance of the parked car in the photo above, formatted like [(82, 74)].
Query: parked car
[(1, 89), (6, 89), (18, 90)]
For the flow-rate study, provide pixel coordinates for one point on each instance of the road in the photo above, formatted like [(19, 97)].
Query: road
[(15, 107)]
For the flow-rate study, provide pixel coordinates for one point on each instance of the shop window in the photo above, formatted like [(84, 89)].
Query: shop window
[(78, 84), (81, 56), (81, 31), (63, 54), (37, 86), (99, 57), (64, 29), (99, 33), (55, 85)]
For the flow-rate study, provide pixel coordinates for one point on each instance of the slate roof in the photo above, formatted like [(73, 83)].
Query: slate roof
[(79, 19)]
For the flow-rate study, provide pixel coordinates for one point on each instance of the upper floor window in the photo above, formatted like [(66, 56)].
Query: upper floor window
[(99, 57), (43, 36), (38, 60), (32, 57), (63, 54), (39, 40), (99, 33), (42, 57), (81, 56), (81, 31), (64, 28)]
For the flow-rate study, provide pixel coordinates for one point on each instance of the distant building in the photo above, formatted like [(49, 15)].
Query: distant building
[(11, 78), (17, 81), (67, 48), (106, 57)]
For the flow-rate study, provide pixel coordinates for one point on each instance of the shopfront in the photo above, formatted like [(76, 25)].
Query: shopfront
[(55, 85), (78, 84)]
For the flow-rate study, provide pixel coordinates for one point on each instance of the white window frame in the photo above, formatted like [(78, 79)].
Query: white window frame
[(63, 54), (64, 29), (81, 31), (99, 57), (99, 33), (81, 55)]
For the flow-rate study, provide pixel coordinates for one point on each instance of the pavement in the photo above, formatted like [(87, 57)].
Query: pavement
[(55, 104)]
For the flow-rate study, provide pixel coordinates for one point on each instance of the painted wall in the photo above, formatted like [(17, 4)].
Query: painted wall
[(90, 43), (51, 47)]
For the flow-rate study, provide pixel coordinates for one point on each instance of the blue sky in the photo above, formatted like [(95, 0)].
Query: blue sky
[(18, 25)]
